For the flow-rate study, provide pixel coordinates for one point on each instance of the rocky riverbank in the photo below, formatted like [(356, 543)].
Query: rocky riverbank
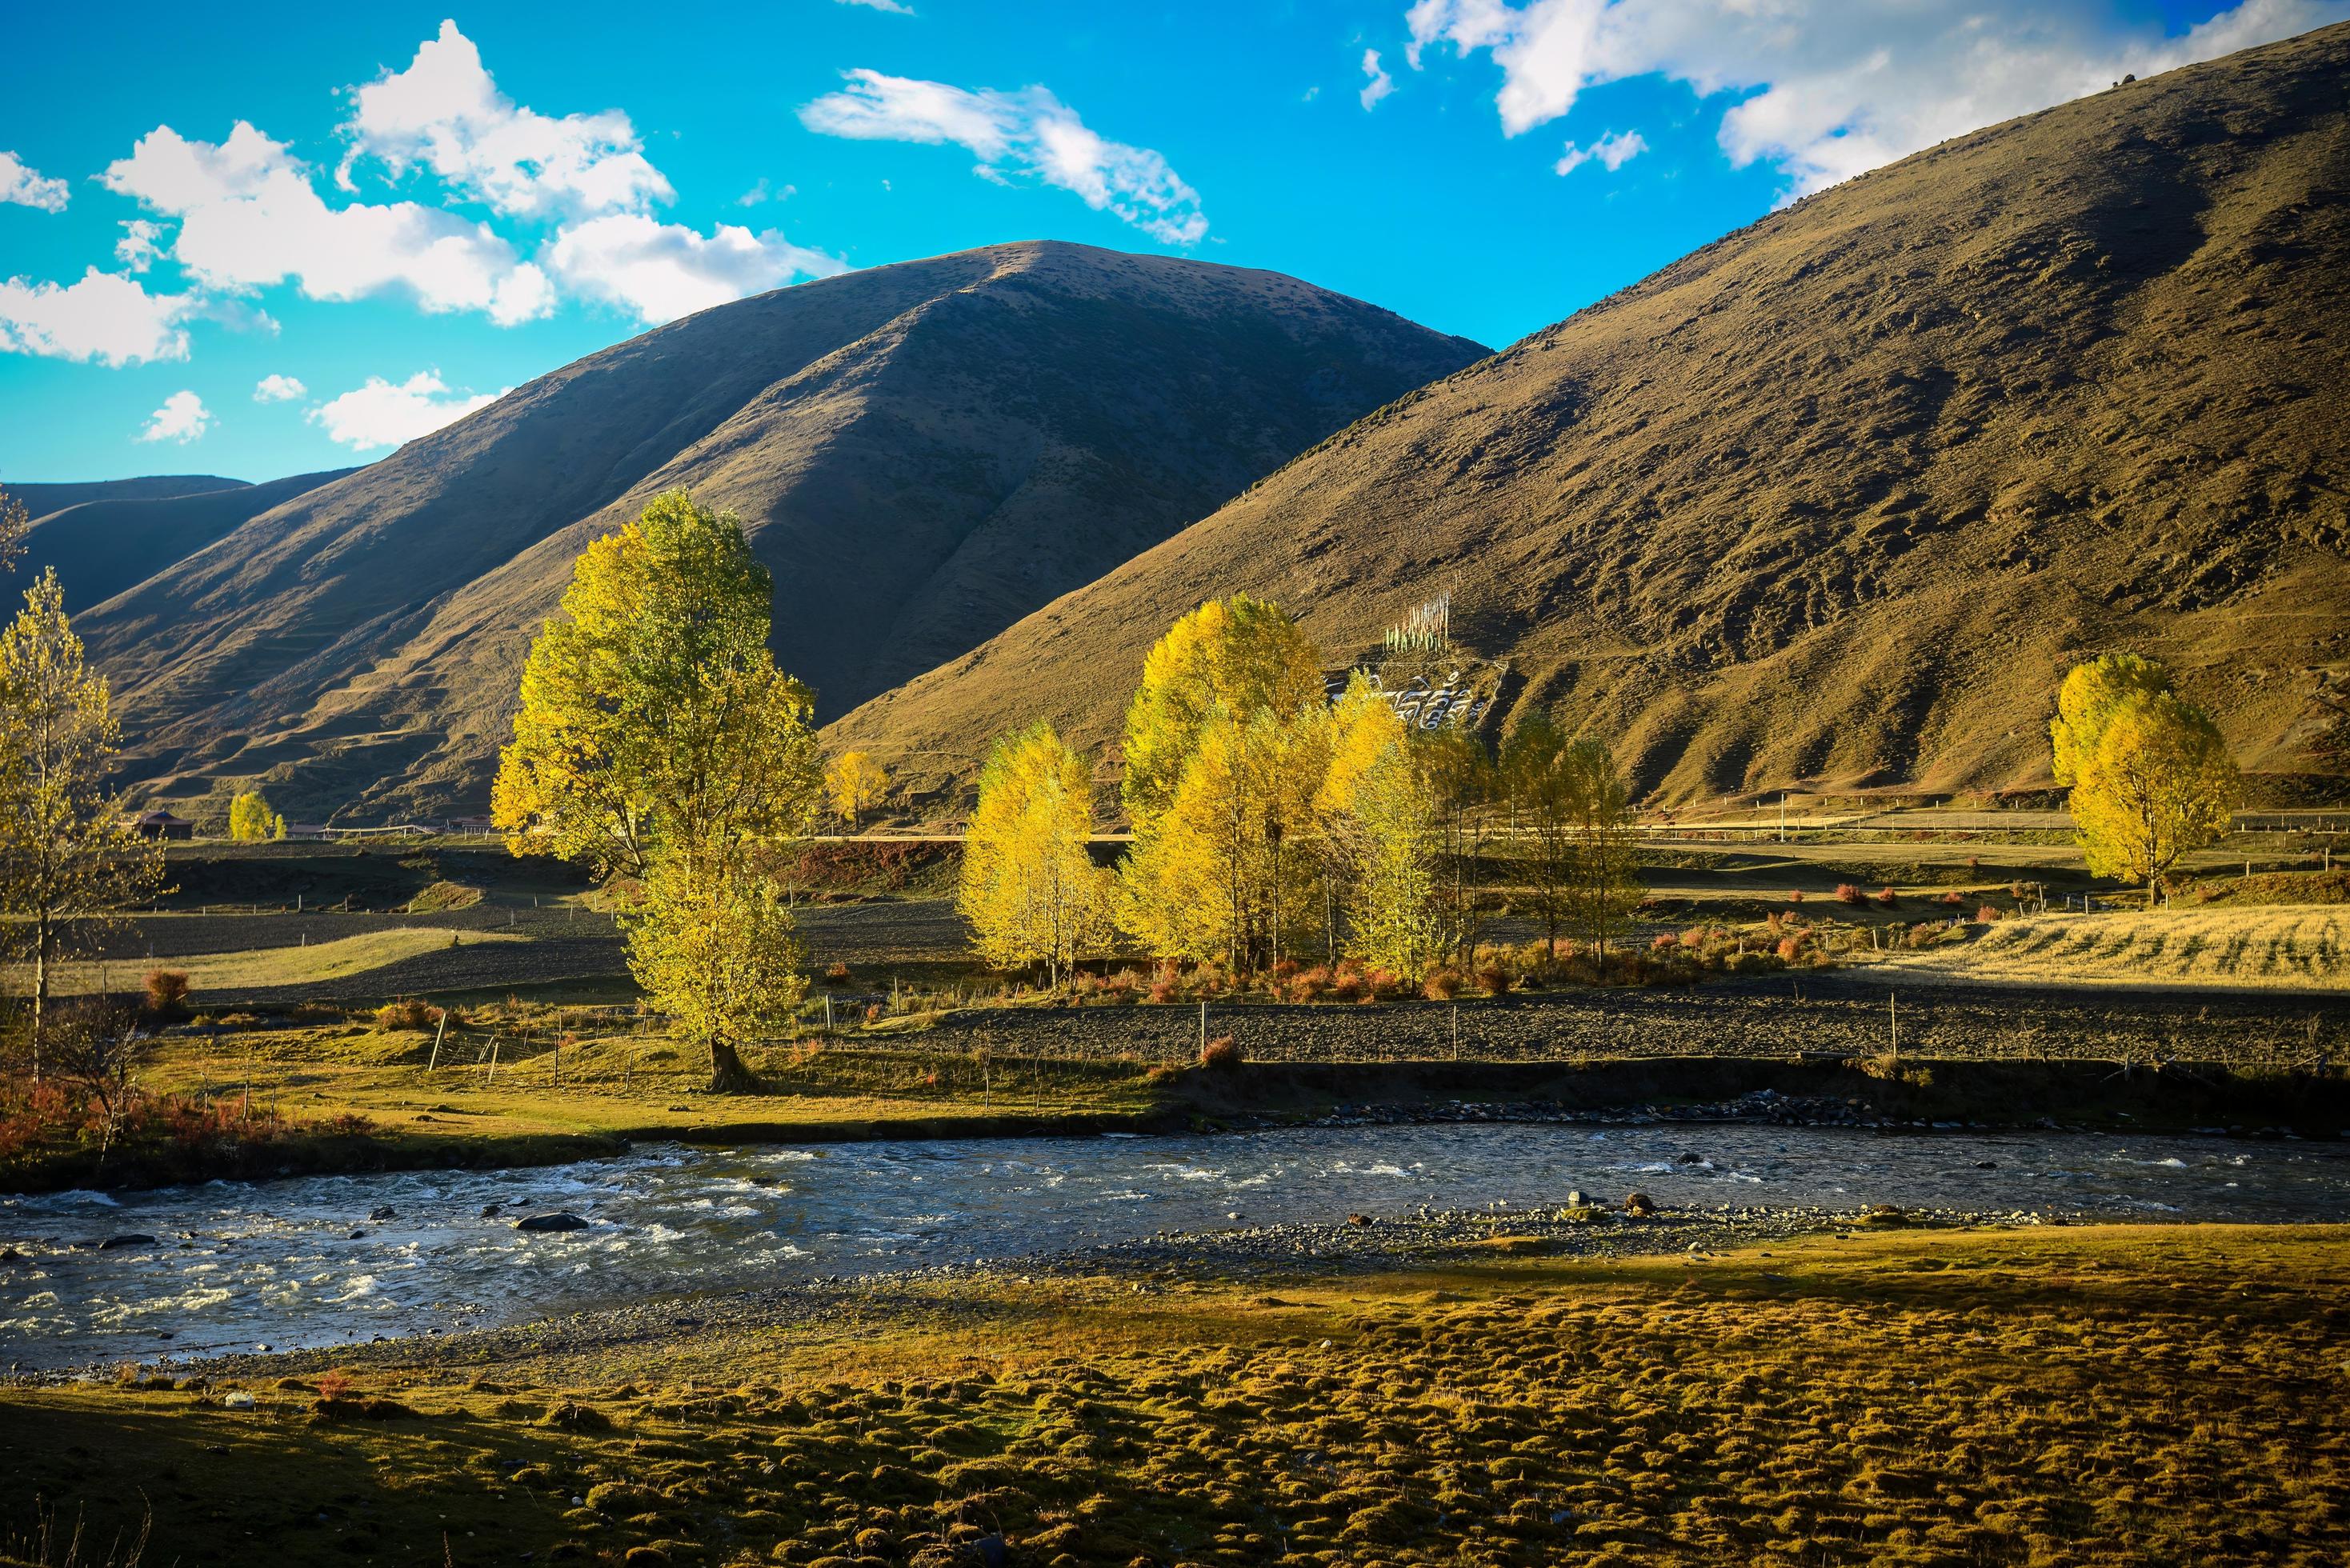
[(1623, 1226)]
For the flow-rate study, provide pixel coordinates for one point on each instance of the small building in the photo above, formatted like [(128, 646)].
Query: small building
[(160, 824), (478, 825)]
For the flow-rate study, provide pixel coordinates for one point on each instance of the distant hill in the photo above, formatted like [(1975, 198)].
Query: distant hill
[(104, 545), (922, 453), (40, 500), (1836, 500)]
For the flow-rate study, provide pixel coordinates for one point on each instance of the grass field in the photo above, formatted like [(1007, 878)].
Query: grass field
[(291, 964), (2252, 948), (2167, 1395)]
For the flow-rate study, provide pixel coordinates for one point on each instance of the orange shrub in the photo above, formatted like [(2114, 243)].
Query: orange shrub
[(167, 992)]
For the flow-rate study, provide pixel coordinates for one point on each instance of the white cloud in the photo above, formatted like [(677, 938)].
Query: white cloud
[(892, 7), (138, 246), (1844, 87), (25, 187), (1030, 133), (105, 316), (381, 414), (446, 113), (1381, 83), (1611, 153), (663, 271), (250, 216), (183, 418), (277, 390)]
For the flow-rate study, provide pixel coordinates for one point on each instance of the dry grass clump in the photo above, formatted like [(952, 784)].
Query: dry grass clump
[(2258, 947), (2149, 1395)]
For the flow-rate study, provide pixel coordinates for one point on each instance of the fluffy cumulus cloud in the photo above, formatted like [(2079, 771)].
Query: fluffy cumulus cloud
[(382, 414), (27, 188), (105, 316), (1380, 84), (277, 390), (250, 216), (662, 271), (183, 418), (445, 113), (1611, 153), (1024, 134), (1832, 90), (142, 242)]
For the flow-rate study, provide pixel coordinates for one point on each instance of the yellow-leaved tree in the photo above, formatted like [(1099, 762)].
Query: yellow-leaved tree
[(1030, 888), (2087, 699), (1228, 870), (711, 942), (856, 784), (1604, 870), (1396, 911), (250, 819), (1226, 743), (2158, 786), (68, 867), (1239, 654), (659, 743)]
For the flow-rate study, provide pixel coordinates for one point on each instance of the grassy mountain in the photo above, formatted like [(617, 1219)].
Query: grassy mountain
[(922, 453), (110, 542), (41, 500), (1836, 499)]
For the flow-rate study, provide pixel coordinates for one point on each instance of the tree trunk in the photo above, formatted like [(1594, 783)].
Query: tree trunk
[(729, 1075), (42, 942)]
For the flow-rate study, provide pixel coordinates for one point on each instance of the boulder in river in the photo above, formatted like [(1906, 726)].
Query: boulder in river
[(125, 1240), (550, 1222), (386, 1212), (1639, 1205)]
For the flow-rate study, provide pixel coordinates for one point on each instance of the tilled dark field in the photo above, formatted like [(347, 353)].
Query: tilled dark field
[(1778, 1018)]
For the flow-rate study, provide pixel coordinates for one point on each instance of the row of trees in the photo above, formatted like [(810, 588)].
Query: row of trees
[(1269, 824)]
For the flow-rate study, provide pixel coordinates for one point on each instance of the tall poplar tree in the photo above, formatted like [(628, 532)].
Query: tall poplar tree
[(2159, 786), (68, 867), (657, 741), (1030, 888)]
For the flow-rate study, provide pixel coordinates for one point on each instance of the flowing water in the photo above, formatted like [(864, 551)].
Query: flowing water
[(234, 1266)]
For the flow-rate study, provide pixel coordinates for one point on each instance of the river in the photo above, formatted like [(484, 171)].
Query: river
[(303, 1263)]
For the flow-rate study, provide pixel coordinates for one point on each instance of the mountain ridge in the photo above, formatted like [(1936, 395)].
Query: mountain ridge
[(1832, 501), (921, 452)]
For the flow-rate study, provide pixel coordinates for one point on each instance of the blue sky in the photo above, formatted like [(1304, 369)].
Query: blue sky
[(429, 205)]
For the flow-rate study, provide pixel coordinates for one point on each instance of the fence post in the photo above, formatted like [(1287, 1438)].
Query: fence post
[(1203, 1024), (490, 1076), (438, 1034)]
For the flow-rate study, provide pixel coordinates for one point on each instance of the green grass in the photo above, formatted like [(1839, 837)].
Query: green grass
[(2111, 1394)]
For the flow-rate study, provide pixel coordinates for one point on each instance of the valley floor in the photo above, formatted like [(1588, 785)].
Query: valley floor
[(2122, 1395)]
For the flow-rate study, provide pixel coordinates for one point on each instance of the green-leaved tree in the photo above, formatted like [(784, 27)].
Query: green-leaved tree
[(658, 743)]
